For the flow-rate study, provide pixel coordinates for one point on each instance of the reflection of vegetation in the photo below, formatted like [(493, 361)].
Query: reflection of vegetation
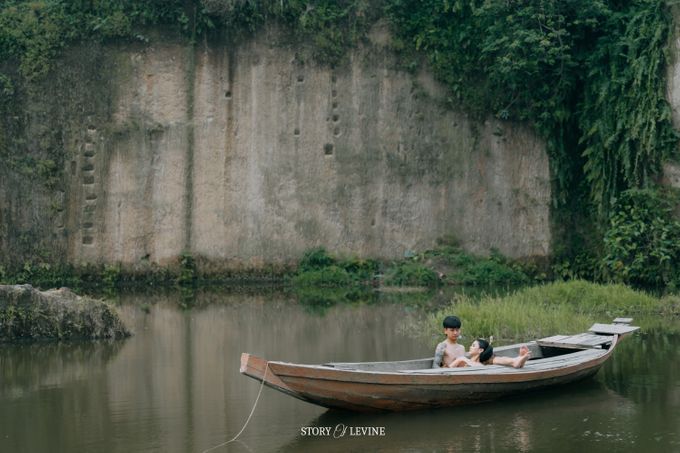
[(562, 307), (187, 297), (318, 300), (656, 350)]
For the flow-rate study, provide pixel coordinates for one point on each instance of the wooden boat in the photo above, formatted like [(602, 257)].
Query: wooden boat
[(414, 384)]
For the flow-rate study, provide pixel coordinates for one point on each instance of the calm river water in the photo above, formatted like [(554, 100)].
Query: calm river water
[(175, 387)]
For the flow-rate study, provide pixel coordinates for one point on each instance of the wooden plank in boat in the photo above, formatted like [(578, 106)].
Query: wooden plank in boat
[(383, 366), (580, 341), (564, 360), (623, 320), (612, 329)]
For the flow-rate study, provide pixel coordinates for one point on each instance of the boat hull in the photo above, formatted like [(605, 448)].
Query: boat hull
[(370, 391)]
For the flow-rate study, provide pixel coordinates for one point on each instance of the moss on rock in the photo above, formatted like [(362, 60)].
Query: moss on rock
[(60, 314)]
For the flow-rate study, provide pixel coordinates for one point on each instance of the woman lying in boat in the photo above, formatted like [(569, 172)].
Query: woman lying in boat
[(481, 353)]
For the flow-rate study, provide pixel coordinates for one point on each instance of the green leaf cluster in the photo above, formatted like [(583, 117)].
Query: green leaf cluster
[(33, 32), (642, 244)]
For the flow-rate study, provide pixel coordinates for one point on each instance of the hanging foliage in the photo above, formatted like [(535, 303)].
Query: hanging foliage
[(588, 74)]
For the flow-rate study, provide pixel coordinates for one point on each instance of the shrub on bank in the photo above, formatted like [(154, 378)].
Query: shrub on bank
[(318, 268), (411, 274), (462, 268), (327, 276), (448, 264)]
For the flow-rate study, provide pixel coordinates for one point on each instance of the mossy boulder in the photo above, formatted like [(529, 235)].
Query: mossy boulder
[(27, 313)]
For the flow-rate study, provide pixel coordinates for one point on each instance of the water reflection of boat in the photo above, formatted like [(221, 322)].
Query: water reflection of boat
[(513, 424), (413, 384)]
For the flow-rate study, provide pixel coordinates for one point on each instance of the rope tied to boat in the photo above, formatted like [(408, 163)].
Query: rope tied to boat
[(252, 411)]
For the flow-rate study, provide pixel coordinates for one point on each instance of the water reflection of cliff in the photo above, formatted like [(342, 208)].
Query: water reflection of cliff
[(54, 391), (30, 367), (183, 365)]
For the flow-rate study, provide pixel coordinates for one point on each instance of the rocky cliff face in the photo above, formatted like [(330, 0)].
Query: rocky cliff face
[(251, 154)]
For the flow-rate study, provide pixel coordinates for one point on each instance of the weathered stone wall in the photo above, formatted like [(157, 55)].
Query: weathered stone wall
[(251, 154)]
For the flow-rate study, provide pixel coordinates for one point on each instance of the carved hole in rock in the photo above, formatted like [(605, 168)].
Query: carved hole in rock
[(328, 149), (336, 131), (88, 167), (227, 94), (87, 225), (334, 93), (91, 196), (88, 179), (300, 78), (336, 118), (156, 134), (335, 104), (87, 240), (296, 131)]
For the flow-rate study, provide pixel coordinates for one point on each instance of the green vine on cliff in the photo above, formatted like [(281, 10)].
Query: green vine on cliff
[(625, 121), (588, 74)]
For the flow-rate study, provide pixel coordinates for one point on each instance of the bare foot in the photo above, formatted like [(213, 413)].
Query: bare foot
[(524, 354)]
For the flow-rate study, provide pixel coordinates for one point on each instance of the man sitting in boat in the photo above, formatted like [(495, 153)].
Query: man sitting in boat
[(449, 350), (481, 353)]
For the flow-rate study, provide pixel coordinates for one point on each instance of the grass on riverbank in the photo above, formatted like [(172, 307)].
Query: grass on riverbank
[(554, 308)]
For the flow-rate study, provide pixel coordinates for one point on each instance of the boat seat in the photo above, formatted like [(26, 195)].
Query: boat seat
[(618, 328), (580, 341)]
